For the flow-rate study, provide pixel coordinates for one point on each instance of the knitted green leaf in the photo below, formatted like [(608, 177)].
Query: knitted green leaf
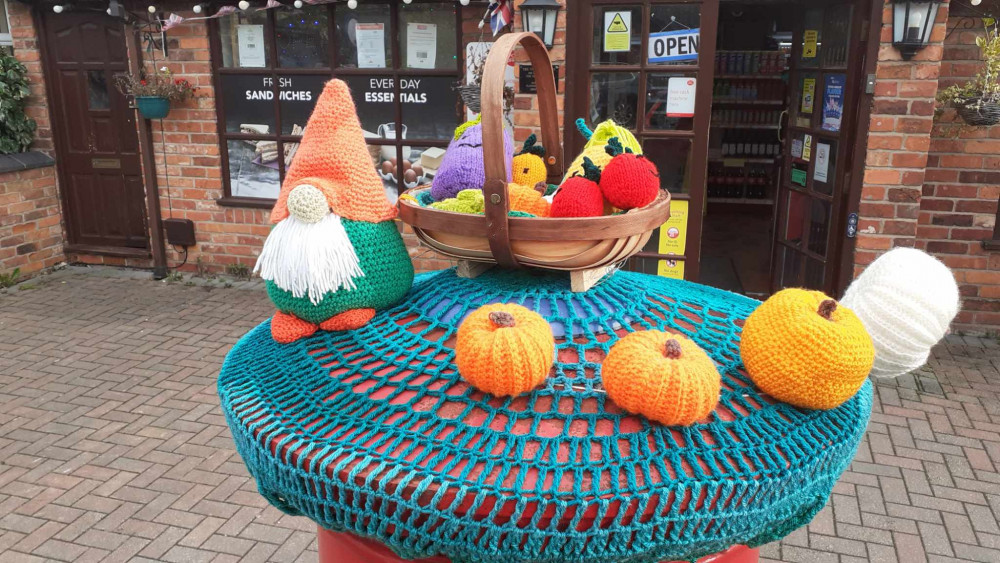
[(590, 170), (531, 146), (614, 147)]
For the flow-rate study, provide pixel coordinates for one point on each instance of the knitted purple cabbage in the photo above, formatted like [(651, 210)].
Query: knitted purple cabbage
[(462, 165)]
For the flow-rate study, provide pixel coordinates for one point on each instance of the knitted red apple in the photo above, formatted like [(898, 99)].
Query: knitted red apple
[(629, 180), (580, 196)]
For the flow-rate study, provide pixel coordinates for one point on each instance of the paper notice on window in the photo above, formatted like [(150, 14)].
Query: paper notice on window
[(808, 94), (796, 148), (250, 46), (617, 31), (421, 45), (680, 96), (822, 162), (807, 146), (673, 233), (810, 39), (371, 45)]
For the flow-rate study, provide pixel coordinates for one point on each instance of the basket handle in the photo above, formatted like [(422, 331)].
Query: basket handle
[(495, 189)]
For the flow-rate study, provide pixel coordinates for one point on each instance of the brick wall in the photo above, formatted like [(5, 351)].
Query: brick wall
[(899, 136), (31, 236), (960, 192)]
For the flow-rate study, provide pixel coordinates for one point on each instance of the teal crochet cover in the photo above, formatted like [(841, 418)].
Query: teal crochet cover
[(374, 433)]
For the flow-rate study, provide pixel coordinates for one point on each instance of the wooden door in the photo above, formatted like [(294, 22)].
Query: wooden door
[(825, 80), (624, 57), (97, 147)]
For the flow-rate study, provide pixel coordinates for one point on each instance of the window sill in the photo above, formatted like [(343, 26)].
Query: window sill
[(991, 244), (24, 161), (252, 202)]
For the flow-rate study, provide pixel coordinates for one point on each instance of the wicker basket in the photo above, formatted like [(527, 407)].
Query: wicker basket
[(470, 96), (585, 246), (979, 114)]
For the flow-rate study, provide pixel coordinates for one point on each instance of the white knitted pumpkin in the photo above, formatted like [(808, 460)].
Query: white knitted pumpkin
[(906, 299)]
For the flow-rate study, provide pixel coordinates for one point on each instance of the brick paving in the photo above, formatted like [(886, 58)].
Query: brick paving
[(113, 447)]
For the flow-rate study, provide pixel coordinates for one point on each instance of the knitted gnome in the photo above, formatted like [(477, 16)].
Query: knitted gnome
[(906, 299), (334, 255), (462, 167)]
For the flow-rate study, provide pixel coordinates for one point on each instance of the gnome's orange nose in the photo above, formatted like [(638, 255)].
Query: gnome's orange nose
[(307, 203)]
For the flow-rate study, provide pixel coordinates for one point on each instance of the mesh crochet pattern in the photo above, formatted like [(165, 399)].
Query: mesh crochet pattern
[(374, 433)]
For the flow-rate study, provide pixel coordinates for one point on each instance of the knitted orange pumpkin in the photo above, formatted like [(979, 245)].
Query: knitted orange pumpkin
[(504, 349), (664, 377), (805, 349), (528, 199), (529, 164)]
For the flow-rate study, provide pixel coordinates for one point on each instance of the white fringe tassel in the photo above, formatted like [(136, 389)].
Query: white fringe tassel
[(309, 258)]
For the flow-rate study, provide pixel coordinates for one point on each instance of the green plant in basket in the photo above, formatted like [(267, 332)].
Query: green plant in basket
[(978, 100), (154, 91), (17, 130)]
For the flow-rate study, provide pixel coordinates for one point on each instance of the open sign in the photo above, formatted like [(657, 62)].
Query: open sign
[(678, 45)]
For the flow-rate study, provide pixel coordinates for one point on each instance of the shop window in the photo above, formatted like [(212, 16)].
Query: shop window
[(400, 61), (6, 40)]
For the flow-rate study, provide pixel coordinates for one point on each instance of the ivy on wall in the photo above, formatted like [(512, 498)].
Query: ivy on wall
[(17, 130)]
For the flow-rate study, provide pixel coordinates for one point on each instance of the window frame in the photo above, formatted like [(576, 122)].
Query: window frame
[(6, 39), (275, 71)]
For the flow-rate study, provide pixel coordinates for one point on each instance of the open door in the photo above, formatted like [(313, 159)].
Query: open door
[(828, 47)]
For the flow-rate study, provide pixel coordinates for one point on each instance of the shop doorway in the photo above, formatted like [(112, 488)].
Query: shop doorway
[(97, 147), (763, 170)]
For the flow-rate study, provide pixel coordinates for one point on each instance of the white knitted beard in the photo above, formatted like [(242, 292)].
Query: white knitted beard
[(309, 258)]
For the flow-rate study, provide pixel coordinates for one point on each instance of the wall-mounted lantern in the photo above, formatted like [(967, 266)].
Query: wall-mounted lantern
[(912, 24), (539, 17)]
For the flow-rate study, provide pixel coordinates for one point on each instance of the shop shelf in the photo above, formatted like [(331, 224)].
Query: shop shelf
[(748, 76), (741, 200), (744, 126), (748, 102)]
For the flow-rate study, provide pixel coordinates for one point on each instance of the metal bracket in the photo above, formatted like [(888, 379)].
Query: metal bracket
[(870, 84)]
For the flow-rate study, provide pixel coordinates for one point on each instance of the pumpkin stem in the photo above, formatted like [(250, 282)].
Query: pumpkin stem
[(826, 308), (502, 319), (672, 349), (541, 187)]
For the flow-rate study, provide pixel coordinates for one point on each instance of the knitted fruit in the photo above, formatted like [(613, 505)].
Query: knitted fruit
[(805, 349), (529, 164), (528, 199), (504, 349), (596, 142), (467, 201), (580, 196), (462, 165), (906, 299), (662, 376), (629, 180)]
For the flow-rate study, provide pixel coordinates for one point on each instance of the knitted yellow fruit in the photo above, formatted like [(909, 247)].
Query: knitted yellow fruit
[(664, 377), (528, 199), (529, 164), (803, 348), (504, 349)]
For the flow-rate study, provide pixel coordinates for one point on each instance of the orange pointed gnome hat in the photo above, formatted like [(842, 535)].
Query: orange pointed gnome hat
[(333, 157)]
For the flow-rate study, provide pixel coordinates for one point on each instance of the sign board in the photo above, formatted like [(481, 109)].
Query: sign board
[(799, 176), (250, 41), (617, 31), (673, 269), (677, 45), (249, 100), (809, 40), (680, 96), (833, 101), (807, 146), (526, 81)]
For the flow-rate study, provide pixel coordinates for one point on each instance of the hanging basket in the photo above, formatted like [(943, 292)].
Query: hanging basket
[(152, 107), (577, 244), (980, 114), (470, 94)]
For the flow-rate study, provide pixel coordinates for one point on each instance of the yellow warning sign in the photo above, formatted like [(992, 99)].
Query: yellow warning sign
[(617, 31), (617, 23), (809, 43)]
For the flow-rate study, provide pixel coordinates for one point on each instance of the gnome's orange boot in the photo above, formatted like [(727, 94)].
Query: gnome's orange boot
[(286, 328), (348, 320)]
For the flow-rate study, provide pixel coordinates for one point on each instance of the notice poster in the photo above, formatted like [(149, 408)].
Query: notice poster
[(670, 46), (371, 45), (796, 148), (808, 95), (250, 42), (809, 40), (833, 101), (822, 167), (617, 31), (799, 176), (680, 96), (807, 146), (421, 45), (668, 268), (673, 233)]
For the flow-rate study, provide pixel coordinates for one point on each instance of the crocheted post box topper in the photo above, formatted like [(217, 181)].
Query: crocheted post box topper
[(334, 255)]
